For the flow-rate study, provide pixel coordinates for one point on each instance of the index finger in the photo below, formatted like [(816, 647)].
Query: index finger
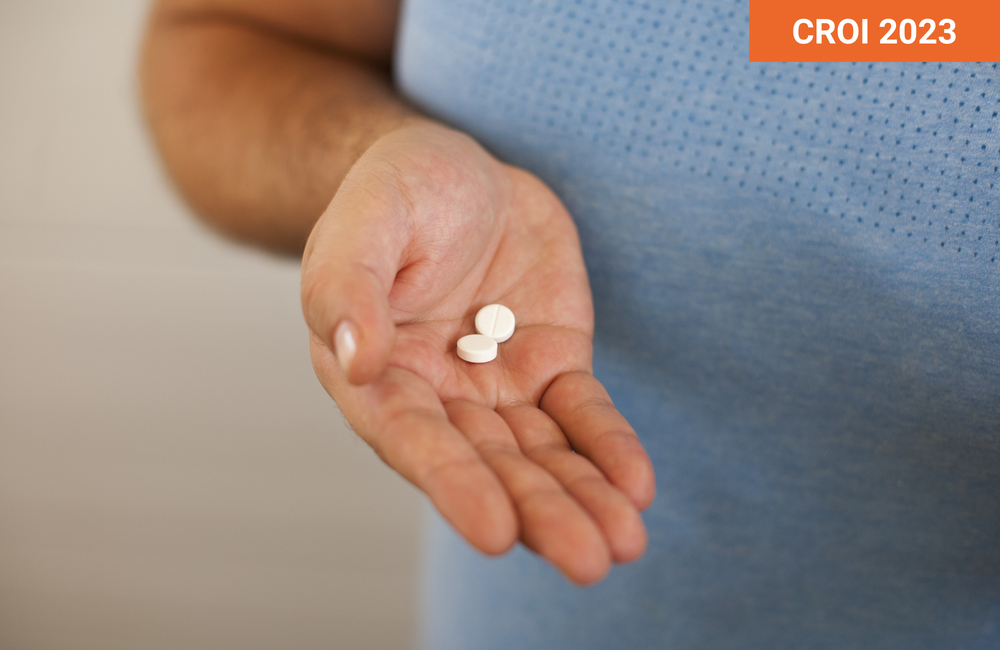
[(404, 421)]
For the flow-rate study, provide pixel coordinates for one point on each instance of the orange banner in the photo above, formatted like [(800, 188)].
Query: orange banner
[(874, 30)]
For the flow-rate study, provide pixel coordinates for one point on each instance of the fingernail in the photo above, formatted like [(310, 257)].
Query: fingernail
[(345, 346)]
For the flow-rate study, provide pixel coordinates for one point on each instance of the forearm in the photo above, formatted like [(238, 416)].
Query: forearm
[(256, 126)]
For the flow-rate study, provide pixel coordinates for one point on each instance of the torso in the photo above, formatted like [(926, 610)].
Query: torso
[(795, 272)]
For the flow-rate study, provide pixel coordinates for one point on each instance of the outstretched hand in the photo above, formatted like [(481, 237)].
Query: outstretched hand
[(425, 230)]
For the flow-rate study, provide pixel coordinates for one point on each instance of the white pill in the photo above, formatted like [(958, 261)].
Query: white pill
[(477, 348), (496, 322)]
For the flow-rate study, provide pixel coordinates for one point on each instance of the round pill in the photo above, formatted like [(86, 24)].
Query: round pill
[(496, 322), (477, 348)]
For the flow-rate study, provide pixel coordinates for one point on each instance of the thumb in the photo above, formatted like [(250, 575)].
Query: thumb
[(348, 268)]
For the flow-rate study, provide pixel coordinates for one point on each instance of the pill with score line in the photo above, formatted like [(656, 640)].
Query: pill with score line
[(496, 322)]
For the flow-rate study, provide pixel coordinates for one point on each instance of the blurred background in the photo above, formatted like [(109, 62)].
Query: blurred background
[(172, 475)]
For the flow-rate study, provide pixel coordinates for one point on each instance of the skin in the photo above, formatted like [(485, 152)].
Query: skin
[(279, 124)]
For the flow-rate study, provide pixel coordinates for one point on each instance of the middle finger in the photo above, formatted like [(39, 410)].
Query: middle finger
[(541, 440), (553, 524)]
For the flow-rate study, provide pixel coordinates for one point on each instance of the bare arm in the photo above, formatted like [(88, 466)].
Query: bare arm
[(278, 122), (260, 108)]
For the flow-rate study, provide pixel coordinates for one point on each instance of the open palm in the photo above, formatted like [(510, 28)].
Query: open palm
[(425, 230)]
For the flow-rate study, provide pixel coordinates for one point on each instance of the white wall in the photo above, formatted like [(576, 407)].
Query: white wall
[(171, 473)]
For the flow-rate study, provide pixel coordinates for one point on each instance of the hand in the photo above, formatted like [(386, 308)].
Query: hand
[(425, 230)]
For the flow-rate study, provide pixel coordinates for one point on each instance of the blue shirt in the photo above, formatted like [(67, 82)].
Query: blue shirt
[(796, 274)]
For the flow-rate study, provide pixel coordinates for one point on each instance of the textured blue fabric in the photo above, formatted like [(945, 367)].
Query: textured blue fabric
[(795, 272)]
